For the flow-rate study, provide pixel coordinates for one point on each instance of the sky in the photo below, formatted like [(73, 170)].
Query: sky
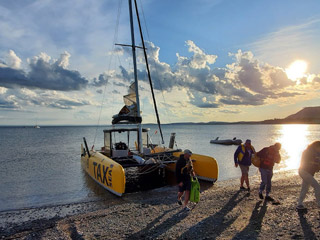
[(210, 60)]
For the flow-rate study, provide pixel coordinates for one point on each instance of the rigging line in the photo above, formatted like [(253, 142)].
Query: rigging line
[(109, 66), (144, 19), (147, 65), (155, 65), (148, 37)]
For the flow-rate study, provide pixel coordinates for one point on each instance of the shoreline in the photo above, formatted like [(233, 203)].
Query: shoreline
[(223, 212)]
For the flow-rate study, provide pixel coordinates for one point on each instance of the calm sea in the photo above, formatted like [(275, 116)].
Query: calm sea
[(42, 167)]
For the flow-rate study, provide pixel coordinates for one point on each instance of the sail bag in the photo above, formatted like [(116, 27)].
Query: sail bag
[(255, 160)]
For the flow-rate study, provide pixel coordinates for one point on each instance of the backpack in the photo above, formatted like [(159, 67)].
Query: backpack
[(242, 152)]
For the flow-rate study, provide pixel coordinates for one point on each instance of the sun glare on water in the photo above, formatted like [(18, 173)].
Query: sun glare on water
[(297, 70), (293, 139)]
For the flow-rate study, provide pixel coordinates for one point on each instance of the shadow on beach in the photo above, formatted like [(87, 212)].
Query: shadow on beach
[(217, 223), (307, 230), (255, 223), (154, 229)]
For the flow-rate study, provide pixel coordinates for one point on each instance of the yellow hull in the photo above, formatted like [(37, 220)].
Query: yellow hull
[(111, 175), (205, 167), (108, 173)]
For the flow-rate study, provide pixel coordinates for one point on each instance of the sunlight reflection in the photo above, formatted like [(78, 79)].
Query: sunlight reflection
[(294, 139)]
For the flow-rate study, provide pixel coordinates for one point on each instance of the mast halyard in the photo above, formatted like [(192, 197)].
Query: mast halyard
[(135, 77), (148, 71)]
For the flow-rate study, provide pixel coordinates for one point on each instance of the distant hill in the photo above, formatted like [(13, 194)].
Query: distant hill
[(308, 115)]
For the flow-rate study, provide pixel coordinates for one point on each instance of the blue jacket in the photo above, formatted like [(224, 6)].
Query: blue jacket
[(243, 158)]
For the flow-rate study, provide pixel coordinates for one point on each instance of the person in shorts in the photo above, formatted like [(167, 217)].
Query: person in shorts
[(242, 158), (184, 171)]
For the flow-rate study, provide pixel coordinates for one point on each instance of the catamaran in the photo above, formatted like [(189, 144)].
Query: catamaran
[(127, 145)]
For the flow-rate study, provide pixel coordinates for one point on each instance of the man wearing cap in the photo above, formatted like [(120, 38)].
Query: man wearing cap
[(242, 158), (184, 171)]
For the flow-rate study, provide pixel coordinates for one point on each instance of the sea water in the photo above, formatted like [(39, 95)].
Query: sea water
[(41, 167)]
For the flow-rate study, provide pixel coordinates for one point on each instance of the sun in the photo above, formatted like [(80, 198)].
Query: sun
[(297, 70)]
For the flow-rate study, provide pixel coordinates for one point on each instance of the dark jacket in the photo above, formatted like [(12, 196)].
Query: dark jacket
[(268, 157), (183, 169), (247, 155)]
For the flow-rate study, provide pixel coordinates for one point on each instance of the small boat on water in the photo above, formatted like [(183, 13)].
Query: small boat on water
[(233, 141), (128, 147)]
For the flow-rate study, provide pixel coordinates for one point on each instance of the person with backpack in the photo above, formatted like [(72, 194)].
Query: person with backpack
[(242, 158), (184, 171), (268, 157), (310, 164)]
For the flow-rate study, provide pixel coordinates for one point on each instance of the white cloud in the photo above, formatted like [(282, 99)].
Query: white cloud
[(247, 81), (43, 74), (12, 60)]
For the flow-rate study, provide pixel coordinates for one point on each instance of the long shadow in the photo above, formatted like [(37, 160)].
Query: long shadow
[(152, 231), (33, 228), (307, 231), (217, 223), (253, 229)]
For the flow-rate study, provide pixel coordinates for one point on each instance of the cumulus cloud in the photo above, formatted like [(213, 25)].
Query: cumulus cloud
[(8, 104), (67, 103), (246, 81), (44, 73), (101, 81), (13, 60), (202, 101), (19, 99)]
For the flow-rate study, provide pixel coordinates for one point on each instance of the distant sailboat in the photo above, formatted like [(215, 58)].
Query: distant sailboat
[(36, 126)]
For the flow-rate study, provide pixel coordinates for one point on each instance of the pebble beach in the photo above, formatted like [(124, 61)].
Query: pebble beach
[(224, 212)]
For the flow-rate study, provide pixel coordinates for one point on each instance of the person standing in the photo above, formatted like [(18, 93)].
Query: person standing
[(310, 164), (242, 158), (268, 157), (184, 171)]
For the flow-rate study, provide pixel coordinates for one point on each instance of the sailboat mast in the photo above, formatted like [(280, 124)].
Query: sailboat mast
[(148, 70), (135, 77)]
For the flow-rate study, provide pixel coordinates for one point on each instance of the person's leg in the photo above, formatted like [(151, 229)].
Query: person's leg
[(246, 179), (316, 186), (304, 190), (269, 177), (263, 180), (304, 186), (310, 180), (186, 198), (244, 176), (187, 193), (241, 180), (180, 195), (180, 192)]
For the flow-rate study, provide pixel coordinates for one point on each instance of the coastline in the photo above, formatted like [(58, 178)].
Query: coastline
[(223, 212)]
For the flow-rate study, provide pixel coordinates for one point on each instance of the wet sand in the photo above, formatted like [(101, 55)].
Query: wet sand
[(224, 212)]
